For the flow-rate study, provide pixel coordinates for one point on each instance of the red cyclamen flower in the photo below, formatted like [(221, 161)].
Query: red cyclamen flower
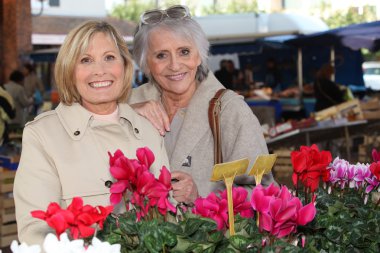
[(309, 164), (375, 169), (79, 218)]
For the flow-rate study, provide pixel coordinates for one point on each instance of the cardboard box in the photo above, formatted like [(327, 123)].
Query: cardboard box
[(371, 109)]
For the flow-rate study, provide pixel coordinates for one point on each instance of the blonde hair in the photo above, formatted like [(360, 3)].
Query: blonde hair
[(75, 45)]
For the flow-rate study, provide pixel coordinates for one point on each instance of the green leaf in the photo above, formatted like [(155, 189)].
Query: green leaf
[(239, 242), (216, 237), (151, 244), (169, 238), (192, 225)]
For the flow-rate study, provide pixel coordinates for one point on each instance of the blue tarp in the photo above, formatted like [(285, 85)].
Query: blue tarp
[(364, 35)]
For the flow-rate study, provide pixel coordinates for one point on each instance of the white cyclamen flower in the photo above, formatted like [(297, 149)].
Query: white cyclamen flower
[(102, 247), (24, 248), (64, 245)]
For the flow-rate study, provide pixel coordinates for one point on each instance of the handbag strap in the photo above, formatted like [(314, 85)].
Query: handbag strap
[(214, 121)]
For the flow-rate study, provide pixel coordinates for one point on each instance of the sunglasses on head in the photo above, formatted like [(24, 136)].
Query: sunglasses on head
[(153, 17)]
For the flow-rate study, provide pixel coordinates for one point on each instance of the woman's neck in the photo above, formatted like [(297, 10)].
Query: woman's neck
[(173, 102)]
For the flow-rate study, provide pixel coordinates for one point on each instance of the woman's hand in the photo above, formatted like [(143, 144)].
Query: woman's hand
[(155, 113), (184, 189)]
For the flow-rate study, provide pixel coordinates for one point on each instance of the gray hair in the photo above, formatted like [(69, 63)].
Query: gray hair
[(186, 28)]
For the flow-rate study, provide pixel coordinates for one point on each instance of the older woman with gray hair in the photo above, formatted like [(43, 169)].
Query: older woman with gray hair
[(172, 50)]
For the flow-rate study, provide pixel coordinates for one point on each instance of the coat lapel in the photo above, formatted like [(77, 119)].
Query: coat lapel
[(196, 123)]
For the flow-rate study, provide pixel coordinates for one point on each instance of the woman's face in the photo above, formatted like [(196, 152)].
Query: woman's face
[(99, 75), (173, 61)]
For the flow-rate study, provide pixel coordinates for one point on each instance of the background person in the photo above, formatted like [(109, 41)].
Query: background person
[(65, 151), (222, 75), (273, 77), (7, 112), (327, 92), (15, 87), (172, 50), (33, 87)]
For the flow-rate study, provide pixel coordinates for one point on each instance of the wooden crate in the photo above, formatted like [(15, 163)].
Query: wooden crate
[(8, 227), (283, 169), (350, 109), (365, 149)]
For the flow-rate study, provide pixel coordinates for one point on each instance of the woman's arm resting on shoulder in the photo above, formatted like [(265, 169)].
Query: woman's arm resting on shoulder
[(155, 113)]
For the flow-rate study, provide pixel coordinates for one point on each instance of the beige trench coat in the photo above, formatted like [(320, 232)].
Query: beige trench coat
[(64, 155)]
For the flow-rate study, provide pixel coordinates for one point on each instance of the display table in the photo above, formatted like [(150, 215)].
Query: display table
[(283, 104), (316, 134)]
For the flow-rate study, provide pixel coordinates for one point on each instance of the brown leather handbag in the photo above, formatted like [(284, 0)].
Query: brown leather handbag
[(214, 121)]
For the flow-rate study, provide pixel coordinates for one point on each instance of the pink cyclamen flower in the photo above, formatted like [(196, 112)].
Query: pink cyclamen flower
[(240, 203), (261, 197), (281, 213), (133, 175), (214, 208), (362, 172), (145, 156), (376, 155)]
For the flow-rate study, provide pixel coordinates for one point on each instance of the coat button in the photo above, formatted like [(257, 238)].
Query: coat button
[(136, 131), (76, 133), (108, 184)]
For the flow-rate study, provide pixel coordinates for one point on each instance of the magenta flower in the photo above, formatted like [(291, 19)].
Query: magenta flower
[(241, 205), (214, 208), (117, 190), (362, 172), (338, 172), (376, 155), (261, 197), (145, 156), (373, 183), (279, 212), (133, 175)]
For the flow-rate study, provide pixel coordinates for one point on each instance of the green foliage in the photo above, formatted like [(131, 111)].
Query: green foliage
[(230, 7), (343, 224), (351, 16), (132, 9)]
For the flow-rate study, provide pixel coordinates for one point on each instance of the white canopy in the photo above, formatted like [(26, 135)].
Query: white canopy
[(248, 26)]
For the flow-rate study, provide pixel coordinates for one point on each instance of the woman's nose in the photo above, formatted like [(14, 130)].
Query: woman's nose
[(174, 63), (99, 68)]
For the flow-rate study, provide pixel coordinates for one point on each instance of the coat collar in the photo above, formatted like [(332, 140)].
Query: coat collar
[(76, 119)]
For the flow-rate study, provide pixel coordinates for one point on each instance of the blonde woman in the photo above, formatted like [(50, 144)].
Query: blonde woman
[(64, 151)]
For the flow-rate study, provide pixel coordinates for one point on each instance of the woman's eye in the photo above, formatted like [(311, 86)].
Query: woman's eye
[(110, 57), (85, 60), (185, 51), (160, 56)]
